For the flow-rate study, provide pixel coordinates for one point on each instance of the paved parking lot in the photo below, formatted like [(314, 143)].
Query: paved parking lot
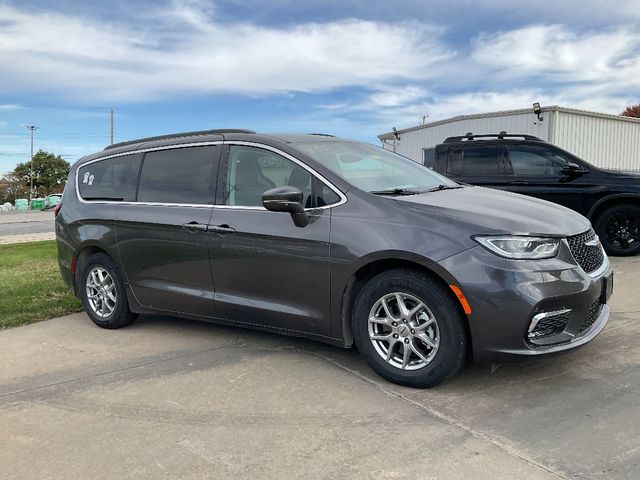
[(169, 398), (20, 226)]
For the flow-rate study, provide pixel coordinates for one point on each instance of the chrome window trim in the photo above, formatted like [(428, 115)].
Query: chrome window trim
[(343, 198)]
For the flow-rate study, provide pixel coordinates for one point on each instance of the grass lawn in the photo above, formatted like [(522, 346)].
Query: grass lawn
[(30, 285)]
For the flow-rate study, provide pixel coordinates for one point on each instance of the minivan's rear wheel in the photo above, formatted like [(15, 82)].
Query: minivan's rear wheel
[(618, 228), (409, 328), (103, 293)]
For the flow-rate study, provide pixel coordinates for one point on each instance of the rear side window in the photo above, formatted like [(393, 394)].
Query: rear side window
[(112, 179), (180, 175), (428, 157), (475, 161)]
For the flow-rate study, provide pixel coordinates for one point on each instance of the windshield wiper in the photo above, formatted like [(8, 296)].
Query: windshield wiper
[(442, 187), (397, 191)]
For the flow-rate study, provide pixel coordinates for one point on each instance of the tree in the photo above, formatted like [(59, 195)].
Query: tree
[(12, 187), (632, 111), (50, 173)]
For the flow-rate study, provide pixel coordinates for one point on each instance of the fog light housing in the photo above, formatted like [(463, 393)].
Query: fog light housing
[(547, 324)]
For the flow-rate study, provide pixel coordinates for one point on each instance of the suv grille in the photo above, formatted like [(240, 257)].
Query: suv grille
[(589, 257)]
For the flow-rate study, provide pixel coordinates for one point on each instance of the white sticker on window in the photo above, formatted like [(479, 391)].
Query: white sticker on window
[(91, 180), (86, 177)]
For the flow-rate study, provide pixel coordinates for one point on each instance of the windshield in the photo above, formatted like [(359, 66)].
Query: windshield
[(372, 168)]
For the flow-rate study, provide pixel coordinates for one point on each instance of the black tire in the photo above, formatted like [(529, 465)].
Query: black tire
[(451, 352), (120, 316), (618, 228)]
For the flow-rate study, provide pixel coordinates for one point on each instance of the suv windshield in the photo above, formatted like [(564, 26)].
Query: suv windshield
[(374, 169)]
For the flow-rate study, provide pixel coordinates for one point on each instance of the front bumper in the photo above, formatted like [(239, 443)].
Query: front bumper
[(506, 296)]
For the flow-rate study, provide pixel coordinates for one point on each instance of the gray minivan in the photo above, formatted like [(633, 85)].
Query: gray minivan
[(330, 239)]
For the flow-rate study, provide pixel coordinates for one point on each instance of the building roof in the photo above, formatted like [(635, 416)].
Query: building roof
[(473, 116)]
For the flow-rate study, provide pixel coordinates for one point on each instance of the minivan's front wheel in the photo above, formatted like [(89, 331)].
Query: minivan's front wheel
[(618, 228), (409, 328), (103, 293)]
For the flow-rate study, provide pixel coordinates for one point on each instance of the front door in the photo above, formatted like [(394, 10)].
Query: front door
[(266, 270), (538, 171), (162, 236)]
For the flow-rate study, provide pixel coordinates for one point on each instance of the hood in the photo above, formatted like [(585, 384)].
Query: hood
[(498, 211)]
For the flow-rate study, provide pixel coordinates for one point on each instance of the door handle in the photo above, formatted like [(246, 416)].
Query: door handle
[(519, 182), (223, 229), (194, 227)]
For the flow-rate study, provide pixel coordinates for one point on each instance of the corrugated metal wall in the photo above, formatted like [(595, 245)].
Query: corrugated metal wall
[(605, 142), (412, 143)]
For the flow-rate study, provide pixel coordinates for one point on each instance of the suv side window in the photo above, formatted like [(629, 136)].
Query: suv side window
[(251, 171), (179, 175), (534, 160), (113, 179), (474, 161)]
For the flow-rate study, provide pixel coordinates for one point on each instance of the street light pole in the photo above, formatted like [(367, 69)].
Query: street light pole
[(32, 128)]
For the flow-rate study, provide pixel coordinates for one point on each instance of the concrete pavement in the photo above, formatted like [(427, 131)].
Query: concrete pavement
[(169, 398), (19, 226)]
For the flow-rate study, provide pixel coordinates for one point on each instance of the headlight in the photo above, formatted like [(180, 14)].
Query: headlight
[(520, 247)]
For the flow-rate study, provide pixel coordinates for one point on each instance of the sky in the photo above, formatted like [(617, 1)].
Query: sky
[(352, 68)]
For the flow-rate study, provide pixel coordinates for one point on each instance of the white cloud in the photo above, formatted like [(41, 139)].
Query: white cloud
[(190, 50), (609, 59), (9, 106)]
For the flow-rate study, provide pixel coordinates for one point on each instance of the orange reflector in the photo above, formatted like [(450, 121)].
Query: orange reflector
[(463, 300)]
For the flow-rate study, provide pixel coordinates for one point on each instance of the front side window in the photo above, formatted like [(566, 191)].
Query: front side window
[(252, 171), (528, 160), (179, 175), (113, 179), (474, 161), (372, 168)]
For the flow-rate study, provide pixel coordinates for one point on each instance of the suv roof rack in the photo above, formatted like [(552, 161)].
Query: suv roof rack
[(470, 136), (321, 134), (178, 135)]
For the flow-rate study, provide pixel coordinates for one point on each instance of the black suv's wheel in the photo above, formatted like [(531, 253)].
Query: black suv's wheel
[(103, 293), (409, 328), (619, 229)]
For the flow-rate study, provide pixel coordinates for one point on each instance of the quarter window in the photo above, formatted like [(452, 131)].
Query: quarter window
[(180, 175), (113, 179), (252, 171)]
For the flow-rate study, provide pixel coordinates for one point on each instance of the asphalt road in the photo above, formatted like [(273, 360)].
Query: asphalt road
[(169, 398), (19, 223)]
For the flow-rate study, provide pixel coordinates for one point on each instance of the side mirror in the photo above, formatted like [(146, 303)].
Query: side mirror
[(286, 199), (571, 168)]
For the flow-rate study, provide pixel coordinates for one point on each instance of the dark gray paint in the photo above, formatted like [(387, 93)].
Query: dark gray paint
[(271, 274)]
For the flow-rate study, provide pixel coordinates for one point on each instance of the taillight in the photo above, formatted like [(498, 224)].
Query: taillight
[(56, 209)]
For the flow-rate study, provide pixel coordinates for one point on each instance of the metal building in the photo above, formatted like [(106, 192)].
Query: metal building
[(607, 141)]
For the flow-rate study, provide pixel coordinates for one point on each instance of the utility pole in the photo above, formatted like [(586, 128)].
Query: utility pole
[(33, 129), (111, 117)]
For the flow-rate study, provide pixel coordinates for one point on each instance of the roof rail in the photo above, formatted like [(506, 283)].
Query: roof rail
[(500, 136), (321, 134), (178, 135)]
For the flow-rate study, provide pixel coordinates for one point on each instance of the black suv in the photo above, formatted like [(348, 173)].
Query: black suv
[(528, 165)]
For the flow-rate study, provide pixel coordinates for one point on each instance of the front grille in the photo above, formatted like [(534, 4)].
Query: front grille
[(589, 257), (551, 325), (592, 315)]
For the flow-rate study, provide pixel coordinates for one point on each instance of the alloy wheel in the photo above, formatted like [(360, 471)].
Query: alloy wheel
[(101, 292), (403, 331), (623, 231)]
